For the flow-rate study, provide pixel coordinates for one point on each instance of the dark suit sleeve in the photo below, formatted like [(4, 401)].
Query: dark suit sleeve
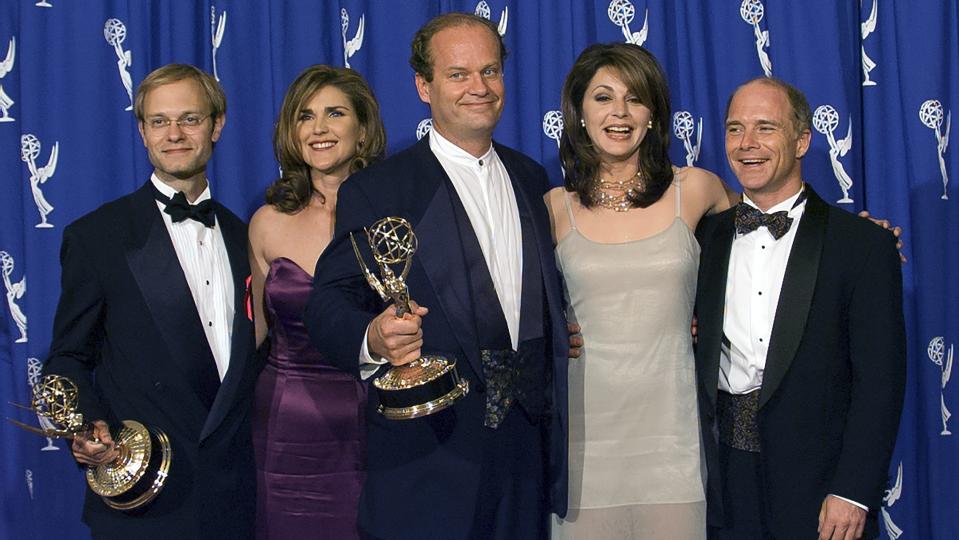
[(341, 303), (78, 326), (877, 348)]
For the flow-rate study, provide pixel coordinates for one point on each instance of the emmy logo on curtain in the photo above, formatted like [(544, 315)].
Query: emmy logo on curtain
[(553, 129), (352, 45), (930, 113), (683, 127), (114, 31), (553, 125), (621, 13), (826, 119), (888, 500), (752, 12), (34, 371), (29, 152), (28, 476), (424, 127), (43, 3), (5, 67), (868, 27), (15, 291), (217, 29), (483, 10), (937, 353)]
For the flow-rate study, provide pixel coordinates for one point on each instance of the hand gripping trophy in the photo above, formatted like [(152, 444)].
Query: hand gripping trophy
[(140, 470), (430, 383)]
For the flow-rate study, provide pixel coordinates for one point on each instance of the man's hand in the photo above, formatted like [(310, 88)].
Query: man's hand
[(840, 520), (95, 447), (575, 340), (896, 231), (396, 339)]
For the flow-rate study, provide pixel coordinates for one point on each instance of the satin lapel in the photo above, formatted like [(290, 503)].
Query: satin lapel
[(235, 238), (440, 254), (711, 306), (799, 283), (156, 269), (532, 205)]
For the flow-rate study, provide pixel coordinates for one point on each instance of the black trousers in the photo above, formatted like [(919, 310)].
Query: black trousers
[(743, 503)]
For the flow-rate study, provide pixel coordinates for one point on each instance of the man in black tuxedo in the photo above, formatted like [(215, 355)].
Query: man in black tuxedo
[(801, 354), (493, 464), (151, 324)]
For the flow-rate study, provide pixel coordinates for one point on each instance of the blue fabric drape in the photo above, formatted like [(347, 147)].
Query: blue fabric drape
[(882, 77)]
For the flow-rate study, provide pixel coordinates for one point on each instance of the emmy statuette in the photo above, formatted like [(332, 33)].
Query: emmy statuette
[(430, 383), (140, 470)]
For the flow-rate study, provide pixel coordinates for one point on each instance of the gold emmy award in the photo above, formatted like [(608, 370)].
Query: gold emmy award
[(430, 383), (140, 470)]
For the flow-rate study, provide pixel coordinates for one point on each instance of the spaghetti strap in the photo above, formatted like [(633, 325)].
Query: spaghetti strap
[(679, 197), (569, 210)]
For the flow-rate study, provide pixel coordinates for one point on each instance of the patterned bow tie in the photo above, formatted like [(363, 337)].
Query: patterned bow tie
[(750, 218), (179, 209)]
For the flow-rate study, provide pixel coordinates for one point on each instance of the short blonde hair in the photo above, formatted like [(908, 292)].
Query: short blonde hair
[(172, 73)]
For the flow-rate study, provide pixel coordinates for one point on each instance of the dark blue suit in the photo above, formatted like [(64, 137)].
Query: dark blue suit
[(446, 475), (834, 377), (127, 331)]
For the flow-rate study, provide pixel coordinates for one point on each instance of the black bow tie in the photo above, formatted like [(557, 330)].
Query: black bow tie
[(750, 218), (179, 209)]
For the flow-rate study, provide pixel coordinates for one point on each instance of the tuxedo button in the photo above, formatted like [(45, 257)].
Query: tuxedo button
[(159, 386)]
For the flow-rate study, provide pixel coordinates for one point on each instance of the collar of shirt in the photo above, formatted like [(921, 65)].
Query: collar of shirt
[(170, 192), (442, 147)]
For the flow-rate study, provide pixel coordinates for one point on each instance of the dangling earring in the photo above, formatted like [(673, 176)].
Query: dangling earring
[(582, 122), (649, 125)]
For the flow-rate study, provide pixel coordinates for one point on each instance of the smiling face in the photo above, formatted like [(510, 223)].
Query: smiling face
[(177, 154), (329, 133), (762, 145), (466, 93), (616, 121)]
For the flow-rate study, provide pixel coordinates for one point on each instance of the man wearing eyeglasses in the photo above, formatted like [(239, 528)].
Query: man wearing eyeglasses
[(151, 326)]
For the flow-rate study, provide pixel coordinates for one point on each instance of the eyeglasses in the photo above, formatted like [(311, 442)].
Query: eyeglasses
[(188, 122)]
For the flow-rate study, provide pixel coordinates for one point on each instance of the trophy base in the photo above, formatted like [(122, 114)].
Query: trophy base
[(423, 387), (139, 473)]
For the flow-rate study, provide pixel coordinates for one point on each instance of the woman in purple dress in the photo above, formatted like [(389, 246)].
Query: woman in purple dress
[(308, 424)]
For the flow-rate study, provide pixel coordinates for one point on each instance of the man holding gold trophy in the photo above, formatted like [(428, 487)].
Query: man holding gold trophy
[(150, 331), (453, 311)]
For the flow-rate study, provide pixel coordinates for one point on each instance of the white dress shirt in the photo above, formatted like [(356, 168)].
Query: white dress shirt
[(203, 257), (757, 265), (484, 188)]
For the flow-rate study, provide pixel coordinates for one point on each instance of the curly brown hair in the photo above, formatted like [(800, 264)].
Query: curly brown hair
[(293, 190), (640, 72)]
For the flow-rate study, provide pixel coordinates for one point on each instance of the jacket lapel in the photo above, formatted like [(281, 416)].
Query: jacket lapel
[(156, 269), (445, 269), (235, 239), (711, 306), (799, 283)]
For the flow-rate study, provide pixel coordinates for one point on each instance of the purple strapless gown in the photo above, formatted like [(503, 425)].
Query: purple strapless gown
[(308, 425)]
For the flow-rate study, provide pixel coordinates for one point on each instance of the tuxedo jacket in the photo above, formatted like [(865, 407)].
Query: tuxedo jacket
[(127, 331), (425, 472), (834, 378)]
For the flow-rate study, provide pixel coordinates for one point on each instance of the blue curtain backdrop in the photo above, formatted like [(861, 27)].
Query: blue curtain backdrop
[(882, 77)]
